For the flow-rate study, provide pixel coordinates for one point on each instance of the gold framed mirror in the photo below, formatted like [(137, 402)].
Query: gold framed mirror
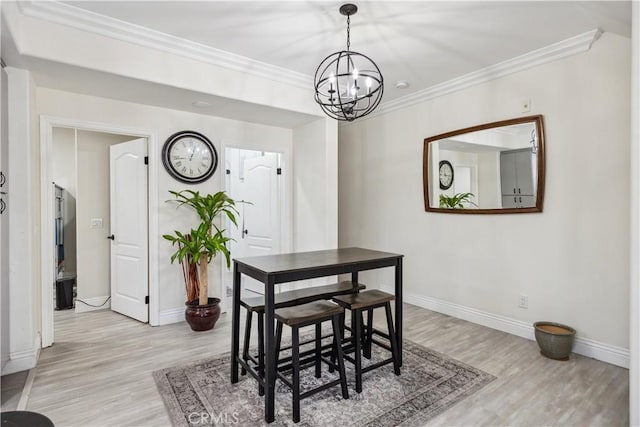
[(492, 168)]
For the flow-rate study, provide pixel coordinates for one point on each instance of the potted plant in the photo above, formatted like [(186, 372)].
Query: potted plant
[(456, 201), (197, 248)]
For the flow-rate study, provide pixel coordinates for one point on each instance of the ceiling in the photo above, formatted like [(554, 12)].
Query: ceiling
[(422, 42)]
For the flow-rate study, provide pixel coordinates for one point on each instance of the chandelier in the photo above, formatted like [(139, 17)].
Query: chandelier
[(348, 84)]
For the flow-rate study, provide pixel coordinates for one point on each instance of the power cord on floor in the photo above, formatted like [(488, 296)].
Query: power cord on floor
[(95, 306)]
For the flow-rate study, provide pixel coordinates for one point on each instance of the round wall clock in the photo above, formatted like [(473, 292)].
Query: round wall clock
[(446, 174), (189, 157)]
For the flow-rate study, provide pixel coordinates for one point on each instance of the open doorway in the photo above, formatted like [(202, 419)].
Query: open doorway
[(259, 178), (100, 222)]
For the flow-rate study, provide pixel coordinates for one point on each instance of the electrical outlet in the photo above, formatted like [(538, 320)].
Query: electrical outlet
[(525, 106), (524, 301)]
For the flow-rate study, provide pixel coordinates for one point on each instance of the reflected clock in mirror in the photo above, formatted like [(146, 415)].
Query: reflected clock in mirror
[(498, 168)]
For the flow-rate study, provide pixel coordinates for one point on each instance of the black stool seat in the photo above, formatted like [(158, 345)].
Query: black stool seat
[(366, 299), (24, 419), (308, 313), (303, 296), (313, 313), (362, 335)]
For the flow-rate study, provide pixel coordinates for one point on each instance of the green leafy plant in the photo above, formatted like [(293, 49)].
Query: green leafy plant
[(200, 245), (457, 201)]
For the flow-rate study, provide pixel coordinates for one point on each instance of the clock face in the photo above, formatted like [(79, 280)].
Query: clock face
[(446, 175), (189, 157)]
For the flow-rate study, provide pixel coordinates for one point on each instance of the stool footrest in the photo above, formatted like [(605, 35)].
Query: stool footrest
[(284, 363), (377, 365), (380, 344), (250, 369), (323, 387)]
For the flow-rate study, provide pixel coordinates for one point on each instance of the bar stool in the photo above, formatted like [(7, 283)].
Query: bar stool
[(282, 300), (357, 303), (314, 313)]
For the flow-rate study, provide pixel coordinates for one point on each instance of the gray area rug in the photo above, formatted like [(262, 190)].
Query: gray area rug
[(201, 394)]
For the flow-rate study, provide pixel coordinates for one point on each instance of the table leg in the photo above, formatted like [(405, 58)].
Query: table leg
[(399, 308), (354, 277), (235, 324), (270, 371)]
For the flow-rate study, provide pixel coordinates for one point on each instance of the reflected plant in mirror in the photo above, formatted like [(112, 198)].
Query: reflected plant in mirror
[(495, 168), (457, 201)]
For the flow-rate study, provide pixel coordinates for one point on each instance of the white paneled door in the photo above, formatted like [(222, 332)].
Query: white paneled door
[(129, 229), (260, 220)]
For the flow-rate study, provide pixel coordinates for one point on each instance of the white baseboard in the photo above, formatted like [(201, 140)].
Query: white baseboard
[(26, 390), (97, 301), (587, 347), (23, 360), (173, 315)]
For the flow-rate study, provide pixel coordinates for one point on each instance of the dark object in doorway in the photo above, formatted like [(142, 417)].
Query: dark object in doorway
[(202, 317), (64, 292)]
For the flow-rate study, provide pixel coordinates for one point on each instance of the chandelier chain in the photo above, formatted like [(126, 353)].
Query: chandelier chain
[(348, 31)]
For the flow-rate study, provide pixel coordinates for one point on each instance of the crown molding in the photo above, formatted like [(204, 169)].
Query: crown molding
[(71, 16), (65, 14), (571, 46)]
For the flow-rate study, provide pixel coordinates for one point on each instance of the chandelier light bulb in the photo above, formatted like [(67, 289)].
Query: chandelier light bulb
[(355, 73)]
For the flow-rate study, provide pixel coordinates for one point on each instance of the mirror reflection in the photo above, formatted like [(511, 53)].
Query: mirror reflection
[(492, 168)]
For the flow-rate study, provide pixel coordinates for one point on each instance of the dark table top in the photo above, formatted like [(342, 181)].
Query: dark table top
[(282, 263)]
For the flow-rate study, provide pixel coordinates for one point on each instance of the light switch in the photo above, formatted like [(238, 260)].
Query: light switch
[(96, 223)]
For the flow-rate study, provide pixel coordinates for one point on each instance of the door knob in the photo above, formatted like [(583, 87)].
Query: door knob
[(245, 231), (112, 237)]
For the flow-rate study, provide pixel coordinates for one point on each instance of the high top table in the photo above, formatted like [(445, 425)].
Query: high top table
[(274, 269)]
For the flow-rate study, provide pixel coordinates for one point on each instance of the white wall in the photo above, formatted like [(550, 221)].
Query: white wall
[(63, 172), (24, 231), (165, 122), (4, 225), (572, 260), (634, 372), (94, 249), (315, 186), (63, 159)]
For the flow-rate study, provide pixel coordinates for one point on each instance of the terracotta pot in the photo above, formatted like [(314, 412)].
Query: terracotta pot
[(202, 317)]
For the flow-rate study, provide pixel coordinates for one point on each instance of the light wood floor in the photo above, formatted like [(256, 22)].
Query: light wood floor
[(98, 373), (11, 387)]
